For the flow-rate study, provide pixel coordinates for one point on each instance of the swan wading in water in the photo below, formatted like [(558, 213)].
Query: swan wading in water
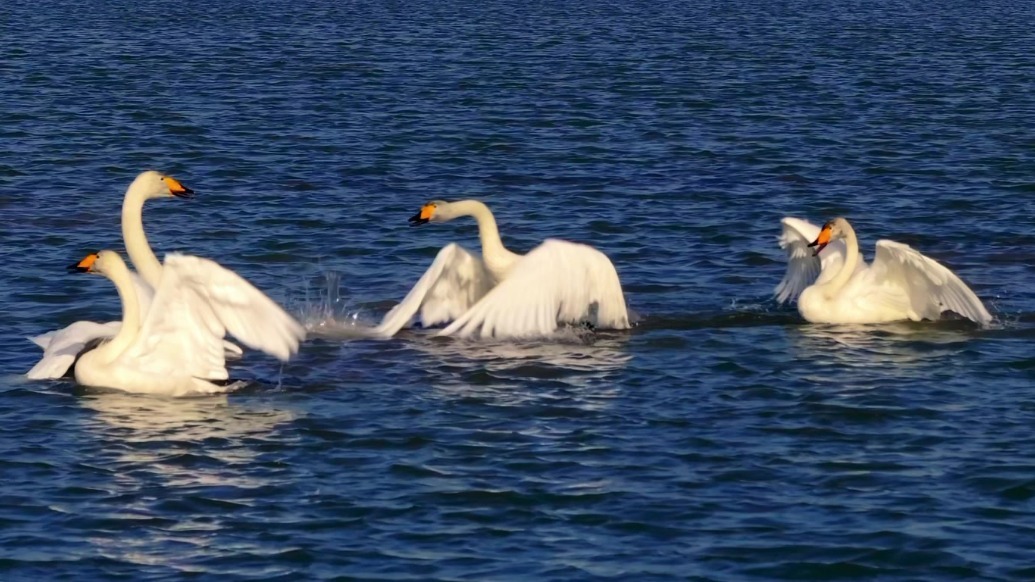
[(61, 347), (833, 284), (177, 349), (506, 295)]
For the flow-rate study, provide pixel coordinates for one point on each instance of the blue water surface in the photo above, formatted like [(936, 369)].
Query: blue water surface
[(722, 438)]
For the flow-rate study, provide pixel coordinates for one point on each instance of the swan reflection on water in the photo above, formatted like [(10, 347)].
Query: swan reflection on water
[(900, 344), (580, 364), (143, 423), (143, 417), (164, 454), (569, 350)]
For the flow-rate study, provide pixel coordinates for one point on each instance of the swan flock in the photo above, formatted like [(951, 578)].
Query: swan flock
[(174, 316), (176, 313)]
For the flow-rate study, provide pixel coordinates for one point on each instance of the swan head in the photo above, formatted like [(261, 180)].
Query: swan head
[(152, 184), (434, 211), (95, 263), (831, 231)]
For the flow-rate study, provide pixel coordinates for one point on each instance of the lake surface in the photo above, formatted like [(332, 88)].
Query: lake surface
[(722, 438)]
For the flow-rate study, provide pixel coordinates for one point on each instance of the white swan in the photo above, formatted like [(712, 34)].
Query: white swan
[(177, 349), (506, 295), (61, 347), (838, 286)]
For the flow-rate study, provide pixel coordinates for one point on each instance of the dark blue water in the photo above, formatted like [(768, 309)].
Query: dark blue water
[(722, 438)]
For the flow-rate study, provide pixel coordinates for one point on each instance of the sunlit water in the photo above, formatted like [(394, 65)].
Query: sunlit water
[(722, 438)]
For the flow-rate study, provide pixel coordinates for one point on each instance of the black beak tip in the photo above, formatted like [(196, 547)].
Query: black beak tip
[(186, 194), (416, 220), (75, 268)]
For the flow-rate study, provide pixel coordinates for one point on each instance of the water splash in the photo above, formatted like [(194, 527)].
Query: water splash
[(325, 312)]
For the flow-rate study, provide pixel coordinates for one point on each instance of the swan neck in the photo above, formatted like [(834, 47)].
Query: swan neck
[(137, 246), (497, 258), (120, 276), (850, 264)]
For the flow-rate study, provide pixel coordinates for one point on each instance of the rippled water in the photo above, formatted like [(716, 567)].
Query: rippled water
[(722, 438)]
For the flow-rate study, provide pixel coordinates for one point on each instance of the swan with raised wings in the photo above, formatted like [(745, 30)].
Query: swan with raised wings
[(833, 283), (506, 295), (177, 348), (61, 347)]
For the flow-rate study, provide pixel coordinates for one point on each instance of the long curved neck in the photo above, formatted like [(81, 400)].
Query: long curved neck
[(834, 285), (497, 258), (139, 250), (120, 276)]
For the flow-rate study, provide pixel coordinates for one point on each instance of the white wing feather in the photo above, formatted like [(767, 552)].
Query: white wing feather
[(196, 304), (64, 345), (43, 340), (804, 269), (558, 281), (930, 286), (456, 280)]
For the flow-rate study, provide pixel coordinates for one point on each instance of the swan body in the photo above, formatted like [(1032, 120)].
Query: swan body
[(835, 285), (177, 349), (61, 347), (506, 295)]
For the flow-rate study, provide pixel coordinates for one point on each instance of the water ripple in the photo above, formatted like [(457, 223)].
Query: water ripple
[(720, 438)]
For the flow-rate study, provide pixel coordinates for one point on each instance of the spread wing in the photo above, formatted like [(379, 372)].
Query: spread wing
[(930, 286), (558, 281), (803, 269), (456, 280), (146, 296), (64, 346), (198, 302), (43, 340)]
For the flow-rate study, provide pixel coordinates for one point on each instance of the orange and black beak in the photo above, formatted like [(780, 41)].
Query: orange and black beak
[(85, 265), (422, 217), (822, 240), (177, 189)]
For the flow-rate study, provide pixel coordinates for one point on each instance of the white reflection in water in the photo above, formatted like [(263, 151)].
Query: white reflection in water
[(177, 450), (156, 433), (900, 344), (583, 364), (142, 418)]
